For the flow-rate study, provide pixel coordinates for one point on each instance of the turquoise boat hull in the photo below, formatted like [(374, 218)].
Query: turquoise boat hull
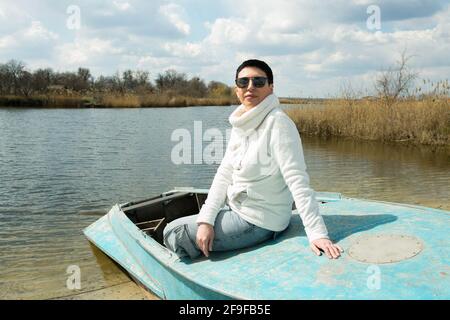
[(286, 268)]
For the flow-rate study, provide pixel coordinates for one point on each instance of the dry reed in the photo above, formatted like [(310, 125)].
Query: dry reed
[(424, 121)]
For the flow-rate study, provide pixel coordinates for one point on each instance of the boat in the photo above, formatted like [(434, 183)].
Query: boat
[(391, 251)]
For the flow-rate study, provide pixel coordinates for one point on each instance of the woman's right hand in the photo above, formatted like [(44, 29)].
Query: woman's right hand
[(205, 237)]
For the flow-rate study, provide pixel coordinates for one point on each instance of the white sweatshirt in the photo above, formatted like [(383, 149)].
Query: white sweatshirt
[(263, 171)]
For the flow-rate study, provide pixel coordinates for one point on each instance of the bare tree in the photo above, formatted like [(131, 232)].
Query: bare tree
[(84, 80), (103, 84), (42, 79), (143, 83), (25, 83), (4, 79), (118, 83), (395, 82), (11, 73), (196, 88), (129, 81), (171, 80)]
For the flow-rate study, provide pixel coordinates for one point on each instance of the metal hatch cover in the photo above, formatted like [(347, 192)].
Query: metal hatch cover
[(385, 248)]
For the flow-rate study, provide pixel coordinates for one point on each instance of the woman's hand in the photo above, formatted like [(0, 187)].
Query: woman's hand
[(333, 251), (205, 237)]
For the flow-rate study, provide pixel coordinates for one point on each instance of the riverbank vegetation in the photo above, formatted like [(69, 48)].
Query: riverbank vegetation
[(20, 87), (397, 112), (424, 121)]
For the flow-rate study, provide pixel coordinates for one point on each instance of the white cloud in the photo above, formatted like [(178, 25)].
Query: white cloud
[(173, 13), (188, 50), (225, 31), (82, 51), (363, 2), (7, 42), (38, 31), (122, 6), (31, 41), (313, 67)]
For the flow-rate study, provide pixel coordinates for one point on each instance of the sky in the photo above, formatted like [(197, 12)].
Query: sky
[(315, 48)]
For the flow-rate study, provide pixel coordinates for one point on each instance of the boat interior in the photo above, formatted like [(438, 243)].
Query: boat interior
[(152, 215)]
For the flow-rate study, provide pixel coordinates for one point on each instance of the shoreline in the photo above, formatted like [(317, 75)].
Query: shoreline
[(122, 291), (410, 122), (106, 101), (110, 101)]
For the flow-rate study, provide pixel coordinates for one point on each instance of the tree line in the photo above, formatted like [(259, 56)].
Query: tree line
[(16, 79)]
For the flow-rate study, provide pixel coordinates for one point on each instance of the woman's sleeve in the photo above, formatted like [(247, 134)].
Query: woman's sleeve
[(287, 148), (217, 192)]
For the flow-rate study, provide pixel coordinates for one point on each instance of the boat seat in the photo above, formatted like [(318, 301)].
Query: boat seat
[(153, 228), (151, 225), (152, 215), (142, 204)]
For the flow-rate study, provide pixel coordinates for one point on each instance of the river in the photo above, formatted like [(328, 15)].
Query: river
[(61, 167)]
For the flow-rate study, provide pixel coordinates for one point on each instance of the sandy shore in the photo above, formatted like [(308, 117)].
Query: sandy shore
[(122, 291)]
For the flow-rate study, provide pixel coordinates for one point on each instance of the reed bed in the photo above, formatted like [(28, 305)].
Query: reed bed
[(114, 101), (425, 121), (42, 101), (418, 121)]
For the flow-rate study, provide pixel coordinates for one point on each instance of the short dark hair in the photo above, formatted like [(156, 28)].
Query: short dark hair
[(257, 64)]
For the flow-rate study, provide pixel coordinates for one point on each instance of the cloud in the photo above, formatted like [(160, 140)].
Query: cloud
[(228, 31), (7, 42), (12, 18), (155, 19), (31, 41), (38, 31), (122, 6), (173, 13), (188, 50), (405, 10), (328, 42), (83, 51), (312, 46)]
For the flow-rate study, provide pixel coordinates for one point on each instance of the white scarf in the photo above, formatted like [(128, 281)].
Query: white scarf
[(247, 123)]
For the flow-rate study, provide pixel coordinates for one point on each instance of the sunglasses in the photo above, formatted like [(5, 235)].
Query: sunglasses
[(258, 82)]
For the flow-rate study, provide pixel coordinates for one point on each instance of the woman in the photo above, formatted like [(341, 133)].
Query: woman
[(263, 171)]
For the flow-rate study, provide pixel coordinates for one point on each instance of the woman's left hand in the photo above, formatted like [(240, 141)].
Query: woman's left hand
[(333, 251)]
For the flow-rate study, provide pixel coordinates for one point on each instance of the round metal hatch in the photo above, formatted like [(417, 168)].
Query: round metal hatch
[(385, 248)]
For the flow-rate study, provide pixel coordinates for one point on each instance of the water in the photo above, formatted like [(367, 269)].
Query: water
[(60, 166)]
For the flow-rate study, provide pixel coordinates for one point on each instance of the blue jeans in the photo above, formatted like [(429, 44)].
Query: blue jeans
[(230, 232)]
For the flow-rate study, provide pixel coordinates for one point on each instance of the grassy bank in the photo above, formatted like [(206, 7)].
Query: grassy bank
[(113, 101), (415, 121), (42, 101), (160, 101), (302, 100), (130, 101)]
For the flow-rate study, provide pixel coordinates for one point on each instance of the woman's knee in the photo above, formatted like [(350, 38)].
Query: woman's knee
[(171, 235), (177, 237), (172, 226)]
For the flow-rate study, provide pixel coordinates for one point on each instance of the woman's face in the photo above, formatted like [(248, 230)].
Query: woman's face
[(251, 96)]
